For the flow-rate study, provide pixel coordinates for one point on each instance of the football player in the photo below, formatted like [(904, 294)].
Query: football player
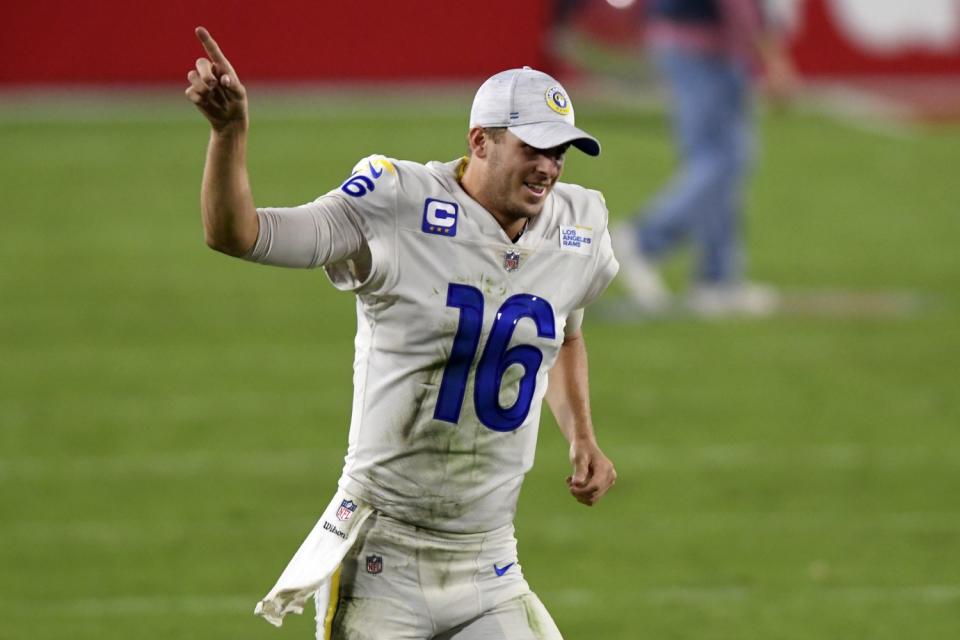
[(470, 280)]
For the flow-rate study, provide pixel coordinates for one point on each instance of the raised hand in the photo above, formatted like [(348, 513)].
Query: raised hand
[(215, 87)]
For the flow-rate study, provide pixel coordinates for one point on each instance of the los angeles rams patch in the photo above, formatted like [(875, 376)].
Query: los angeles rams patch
[(576, 239), (440, 217)]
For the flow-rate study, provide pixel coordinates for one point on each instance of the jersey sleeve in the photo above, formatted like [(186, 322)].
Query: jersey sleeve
[(574, 322), (314, 234), (370, 196), (605, 265)]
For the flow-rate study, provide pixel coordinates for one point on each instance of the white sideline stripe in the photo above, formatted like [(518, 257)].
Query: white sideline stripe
[(109, 533), (861, 111), (643, 457), (168, 464), (870, 594), (124, 606), (274, 103), (147, 534), (141, 605), (877, 523), (681, 526), (583, 597), (146, 605), (833, 456), (814, 303)]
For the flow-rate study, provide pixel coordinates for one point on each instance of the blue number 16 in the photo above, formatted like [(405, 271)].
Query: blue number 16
[(495, 360)]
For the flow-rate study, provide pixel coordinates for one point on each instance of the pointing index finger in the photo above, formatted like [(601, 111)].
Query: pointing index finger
[(211, 47)]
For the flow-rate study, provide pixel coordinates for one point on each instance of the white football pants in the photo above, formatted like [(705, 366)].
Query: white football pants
[(400, 582)]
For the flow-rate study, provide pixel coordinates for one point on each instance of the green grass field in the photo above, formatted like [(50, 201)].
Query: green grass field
[(173, 421)]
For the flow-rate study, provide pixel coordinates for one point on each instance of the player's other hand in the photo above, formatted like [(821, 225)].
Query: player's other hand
[(593, 472), (215, 87)]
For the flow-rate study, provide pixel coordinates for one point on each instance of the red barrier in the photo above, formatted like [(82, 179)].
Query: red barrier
[(822, 47), (115, 41)]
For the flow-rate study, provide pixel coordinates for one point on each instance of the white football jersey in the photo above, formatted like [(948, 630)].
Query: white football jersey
[(457, 328)]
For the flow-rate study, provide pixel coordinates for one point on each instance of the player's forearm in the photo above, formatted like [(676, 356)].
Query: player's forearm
[(230, 221), (568, 396), (568, 393)]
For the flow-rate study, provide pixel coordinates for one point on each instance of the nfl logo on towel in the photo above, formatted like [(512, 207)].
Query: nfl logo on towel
[(374, 564), (347, 507)]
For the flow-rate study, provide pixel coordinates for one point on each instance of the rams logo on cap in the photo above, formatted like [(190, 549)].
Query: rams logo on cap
[(558, 100)]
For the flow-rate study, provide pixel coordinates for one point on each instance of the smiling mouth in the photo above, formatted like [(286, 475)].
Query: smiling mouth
[(536, 189)]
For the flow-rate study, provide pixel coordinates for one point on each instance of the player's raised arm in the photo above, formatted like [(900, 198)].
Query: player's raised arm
[(229, 217), (569, 400)]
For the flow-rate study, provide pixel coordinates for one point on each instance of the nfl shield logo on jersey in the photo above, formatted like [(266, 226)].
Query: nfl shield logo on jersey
[(511, 260), (347, 507), (374, 564)]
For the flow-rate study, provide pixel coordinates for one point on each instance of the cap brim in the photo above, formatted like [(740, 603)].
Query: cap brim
[(547, 135)]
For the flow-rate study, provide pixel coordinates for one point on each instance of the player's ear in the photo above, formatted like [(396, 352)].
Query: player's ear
[(477, 141)]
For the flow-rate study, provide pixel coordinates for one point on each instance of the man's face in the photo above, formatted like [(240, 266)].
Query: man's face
[(520, 177)]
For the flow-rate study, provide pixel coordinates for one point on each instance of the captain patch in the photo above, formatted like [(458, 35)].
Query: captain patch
[(576, 239), (440, 217)]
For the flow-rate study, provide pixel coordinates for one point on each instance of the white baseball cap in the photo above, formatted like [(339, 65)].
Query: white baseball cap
[(533, 106)]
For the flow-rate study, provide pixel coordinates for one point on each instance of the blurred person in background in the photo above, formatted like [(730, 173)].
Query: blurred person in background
[(706, 51)]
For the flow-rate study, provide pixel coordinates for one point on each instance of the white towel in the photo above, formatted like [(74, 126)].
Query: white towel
[(317, 558)]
